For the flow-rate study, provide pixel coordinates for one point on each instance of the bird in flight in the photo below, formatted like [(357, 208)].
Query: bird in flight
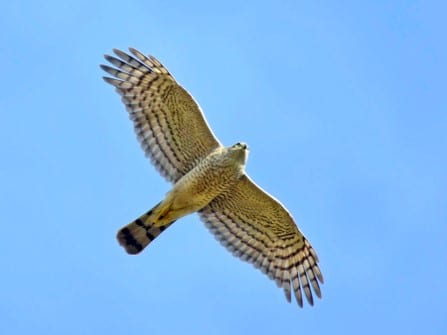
[(208, 178)]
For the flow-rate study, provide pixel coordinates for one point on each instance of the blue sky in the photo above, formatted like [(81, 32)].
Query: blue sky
[(343, 105)]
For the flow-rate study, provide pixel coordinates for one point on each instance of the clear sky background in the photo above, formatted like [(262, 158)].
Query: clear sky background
[(343, 105)]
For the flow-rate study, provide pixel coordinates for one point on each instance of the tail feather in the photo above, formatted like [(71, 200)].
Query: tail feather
[(138, 234)]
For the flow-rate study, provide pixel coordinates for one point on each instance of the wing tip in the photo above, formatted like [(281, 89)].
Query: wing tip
[(133, 50), (112, 81), (139, 55)]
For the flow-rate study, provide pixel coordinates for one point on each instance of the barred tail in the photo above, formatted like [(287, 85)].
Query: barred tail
[(138, 234)]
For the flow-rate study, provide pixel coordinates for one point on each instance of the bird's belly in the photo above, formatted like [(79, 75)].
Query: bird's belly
[(195, 190)]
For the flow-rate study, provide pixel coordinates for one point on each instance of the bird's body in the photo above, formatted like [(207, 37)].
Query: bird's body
[(214, 175), (207, 178)]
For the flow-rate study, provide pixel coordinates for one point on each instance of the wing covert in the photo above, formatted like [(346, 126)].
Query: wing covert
[(258, 229), (169, 124)]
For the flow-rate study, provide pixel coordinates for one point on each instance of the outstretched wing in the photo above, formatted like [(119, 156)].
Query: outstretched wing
[(258, 229), (168, 122)]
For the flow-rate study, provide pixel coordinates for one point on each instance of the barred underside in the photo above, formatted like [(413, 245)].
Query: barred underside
[(274, 246), (168, 122), (175, 136)]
